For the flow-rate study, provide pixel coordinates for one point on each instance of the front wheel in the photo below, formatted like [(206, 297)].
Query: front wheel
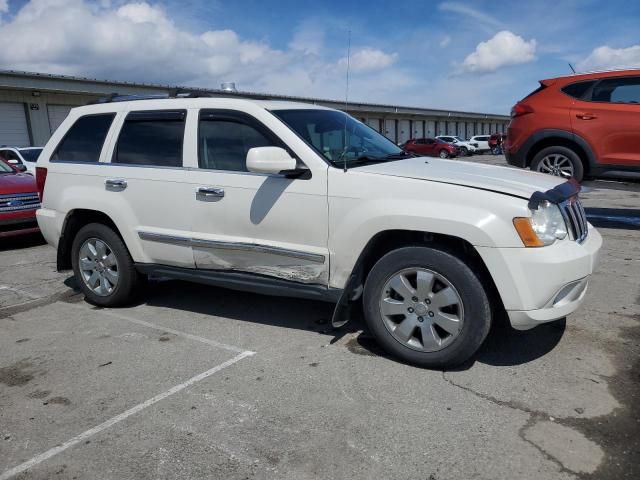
[(426, 307), (103, 266), (464, 151), (443, 154)]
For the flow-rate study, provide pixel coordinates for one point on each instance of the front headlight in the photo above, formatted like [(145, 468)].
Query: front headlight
[(544, 227)]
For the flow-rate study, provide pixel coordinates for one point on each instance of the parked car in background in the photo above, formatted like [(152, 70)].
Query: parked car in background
[(432, 147), (273, 198), (578, 125), (482, 141), (18, 201), (464, 148), (27, 156)]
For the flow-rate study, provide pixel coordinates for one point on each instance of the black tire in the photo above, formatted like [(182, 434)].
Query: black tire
[(475, 302), (464, 152), (128, 278), (578, 167), (443, 153)]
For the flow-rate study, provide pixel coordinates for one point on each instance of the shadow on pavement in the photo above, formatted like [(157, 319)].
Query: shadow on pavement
[(21, 241)]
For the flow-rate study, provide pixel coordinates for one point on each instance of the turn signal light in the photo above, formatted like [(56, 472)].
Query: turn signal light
[(525, 230)]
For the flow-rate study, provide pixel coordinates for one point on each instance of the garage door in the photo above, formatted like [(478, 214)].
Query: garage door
[(57, 113), (405, 131), (390, 130), (431, 129), (13, 125), (374, 123), (418, 129)]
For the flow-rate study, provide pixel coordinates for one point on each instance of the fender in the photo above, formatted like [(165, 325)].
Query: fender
[(540, 135)]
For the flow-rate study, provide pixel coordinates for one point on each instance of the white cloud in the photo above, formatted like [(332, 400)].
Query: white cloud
[(505, 48), (4, 6), (139, 41), (606, 57), (368, 59), (446, 40), (471, 13)]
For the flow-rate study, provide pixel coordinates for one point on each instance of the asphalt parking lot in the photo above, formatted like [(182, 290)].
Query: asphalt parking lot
[(199, 382)]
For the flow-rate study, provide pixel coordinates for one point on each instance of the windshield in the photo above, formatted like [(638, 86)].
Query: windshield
[(30, 154), (4, 168), (339, 137)]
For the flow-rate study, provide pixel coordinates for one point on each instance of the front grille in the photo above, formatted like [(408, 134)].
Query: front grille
[(16, 202), (576, 219)]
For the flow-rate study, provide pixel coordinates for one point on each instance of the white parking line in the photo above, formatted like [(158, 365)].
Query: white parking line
[(118, 418), (111, 313)]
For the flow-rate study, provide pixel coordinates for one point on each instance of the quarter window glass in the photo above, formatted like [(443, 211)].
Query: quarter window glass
[(577, 90), (618, 90), (223, 144), (151, 138), (83, 142)]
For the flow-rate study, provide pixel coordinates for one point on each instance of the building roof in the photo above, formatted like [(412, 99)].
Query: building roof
[(83, 85)]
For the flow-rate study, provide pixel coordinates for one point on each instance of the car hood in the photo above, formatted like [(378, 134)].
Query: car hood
[(17, 183), (507, 180)]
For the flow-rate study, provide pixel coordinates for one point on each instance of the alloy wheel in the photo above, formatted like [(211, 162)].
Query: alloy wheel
[(98, 266), (421, 309), (556, 164)]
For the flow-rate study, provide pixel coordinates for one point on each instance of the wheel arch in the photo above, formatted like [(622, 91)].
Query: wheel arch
[(552, 137), (73, 222), (388, 240)]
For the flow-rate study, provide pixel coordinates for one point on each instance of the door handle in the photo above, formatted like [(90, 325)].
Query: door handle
[(209, 192), (115, 184), (586, 116)]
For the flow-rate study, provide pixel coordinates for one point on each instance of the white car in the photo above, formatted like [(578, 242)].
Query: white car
[(465, 148), (27, 156), (264, 196), (482, 141)]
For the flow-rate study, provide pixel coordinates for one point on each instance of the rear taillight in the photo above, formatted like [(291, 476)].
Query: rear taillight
[(520, 109), (41, 178)]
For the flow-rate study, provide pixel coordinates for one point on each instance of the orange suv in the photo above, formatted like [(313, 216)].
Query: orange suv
[(578, 125)]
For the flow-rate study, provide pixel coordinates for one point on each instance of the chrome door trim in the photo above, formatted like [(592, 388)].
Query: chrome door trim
[(238, 246)]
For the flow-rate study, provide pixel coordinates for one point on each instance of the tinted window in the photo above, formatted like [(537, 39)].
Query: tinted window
[(223, 144), (31, 154), (83, 142), (577, 90), (618, 90), (420, 141), (151, 138)]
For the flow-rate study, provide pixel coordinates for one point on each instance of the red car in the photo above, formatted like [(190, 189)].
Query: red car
[(432, 147), (18, 202), (578, 125), (496, 142)]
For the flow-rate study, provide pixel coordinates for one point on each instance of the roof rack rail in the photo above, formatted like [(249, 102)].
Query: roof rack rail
[(173, 93)]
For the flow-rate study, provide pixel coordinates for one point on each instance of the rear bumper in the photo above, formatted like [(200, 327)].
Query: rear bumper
[(516, 158), (50, 223), (539, 285)]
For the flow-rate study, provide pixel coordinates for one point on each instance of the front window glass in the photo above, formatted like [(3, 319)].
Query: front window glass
[(339, 137), (4, 168)]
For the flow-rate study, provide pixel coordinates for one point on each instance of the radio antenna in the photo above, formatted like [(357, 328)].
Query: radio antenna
[(571, 67), (346, 101)]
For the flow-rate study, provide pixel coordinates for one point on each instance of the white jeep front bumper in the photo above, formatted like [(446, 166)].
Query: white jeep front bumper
[(538, 285)]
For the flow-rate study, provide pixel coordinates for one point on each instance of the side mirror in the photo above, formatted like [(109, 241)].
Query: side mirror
[(269, 160), (20, 167)]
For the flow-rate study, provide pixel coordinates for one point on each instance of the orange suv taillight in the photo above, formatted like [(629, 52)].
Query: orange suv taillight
[(520, 109), (41, 178)]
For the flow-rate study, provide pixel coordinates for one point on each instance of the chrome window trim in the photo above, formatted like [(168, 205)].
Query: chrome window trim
[(239, 246)]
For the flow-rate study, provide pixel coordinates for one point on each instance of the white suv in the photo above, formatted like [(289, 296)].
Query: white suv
[(268, 197), (482, 142), (465, 148)]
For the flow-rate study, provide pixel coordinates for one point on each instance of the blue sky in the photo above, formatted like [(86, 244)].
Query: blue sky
[(463, 55)]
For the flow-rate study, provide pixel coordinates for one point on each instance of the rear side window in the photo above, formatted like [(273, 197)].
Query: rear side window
[(83, 142), (223, 141), (618, 90), (579, 89), (151, 138)]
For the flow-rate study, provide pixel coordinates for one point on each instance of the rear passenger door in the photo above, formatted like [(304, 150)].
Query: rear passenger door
[(608, 117), (144, 183), (249, 222)]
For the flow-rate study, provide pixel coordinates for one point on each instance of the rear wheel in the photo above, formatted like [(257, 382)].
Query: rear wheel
[(103, 266), (426, 307), (558, 161), (464, 151), (443, 154)]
